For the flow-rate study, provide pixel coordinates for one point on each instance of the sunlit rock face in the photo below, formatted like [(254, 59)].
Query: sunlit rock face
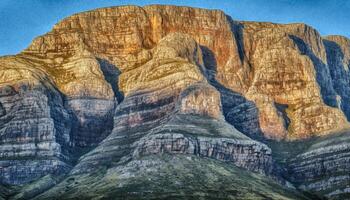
[(292, 86), (108, 89), (281, 69)]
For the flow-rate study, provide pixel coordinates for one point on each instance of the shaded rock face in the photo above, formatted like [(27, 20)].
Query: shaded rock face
[(90, 97), (338, 57), (138, 82), (47, 112), (35, 127)]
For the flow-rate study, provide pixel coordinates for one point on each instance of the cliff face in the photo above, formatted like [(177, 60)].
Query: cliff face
[(323, 167), (32, 113), (292, 86), (338, 58), (256, 60), (134, 83)]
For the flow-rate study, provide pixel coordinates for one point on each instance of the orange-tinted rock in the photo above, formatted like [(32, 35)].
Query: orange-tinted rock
[(134, 81), (289, 63), (267, 63)]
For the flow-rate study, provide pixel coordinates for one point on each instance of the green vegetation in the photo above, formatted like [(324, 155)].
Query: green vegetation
[(171, 177)]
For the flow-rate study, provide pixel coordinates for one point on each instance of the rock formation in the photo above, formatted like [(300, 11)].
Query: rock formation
[(32, 115), (113, 90)]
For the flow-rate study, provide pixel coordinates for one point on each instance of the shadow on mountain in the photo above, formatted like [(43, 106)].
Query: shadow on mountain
[(238, 111), (340, 76), (111, 74), (322, 72), (237, 30)]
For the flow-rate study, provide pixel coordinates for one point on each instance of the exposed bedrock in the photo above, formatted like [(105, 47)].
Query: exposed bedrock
[(338, 58), (131, 83), (90, 96), (322, 167), (173, 109), (267, 64), (241, 152), (34, 126), (46, 112), (290, 70)]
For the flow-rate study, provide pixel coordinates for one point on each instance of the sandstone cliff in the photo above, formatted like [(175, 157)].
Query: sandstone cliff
[(268, 64), (114, 89)]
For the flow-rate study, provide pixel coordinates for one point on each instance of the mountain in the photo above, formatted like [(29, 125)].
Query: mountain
[(168, 102)]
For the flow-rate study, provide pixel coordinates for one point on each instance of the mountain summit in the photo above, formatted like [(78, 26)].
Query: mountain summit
[(173, 102)]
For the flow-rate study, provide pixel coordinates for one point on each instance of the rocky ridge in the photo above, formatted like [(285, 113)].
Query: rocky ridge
[(129, 83)]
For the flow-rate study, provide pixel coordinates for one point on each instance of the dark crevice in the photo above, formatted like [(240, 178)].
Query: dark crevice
[(62, 121), (237, 30), (111, 74), (281, 108), (209, 62)]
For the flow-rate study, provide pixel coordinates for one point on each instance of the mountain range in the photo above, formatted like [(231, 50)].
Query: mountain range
[(169, 102)]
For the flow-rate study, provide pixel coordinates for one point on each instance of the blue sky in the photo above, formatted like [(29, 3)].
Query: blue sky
[(22, 20)]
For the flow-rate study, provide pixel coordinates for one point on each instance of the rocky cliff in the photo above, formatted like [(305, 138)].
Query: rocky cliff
[(111, 98)]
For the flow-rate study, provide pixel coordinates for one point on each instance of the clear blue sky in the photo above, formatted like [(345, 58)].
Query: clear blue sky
[(22, 20)]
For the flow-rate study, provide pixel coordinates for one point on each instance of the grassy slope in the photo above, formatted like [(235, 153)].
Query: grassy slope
[(171, 177)]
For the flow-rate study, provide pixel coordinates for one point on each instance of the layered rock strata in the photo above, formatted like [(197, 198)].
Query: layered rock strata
[(136, 82), (34, 126), (255, 60), (148, 121)]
